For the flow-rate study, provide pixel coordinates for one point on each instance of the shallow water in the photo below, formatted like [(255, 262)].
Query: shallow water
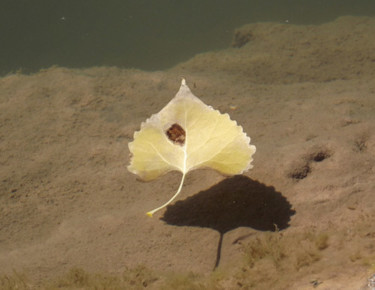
[(151, 35), (71, 211)]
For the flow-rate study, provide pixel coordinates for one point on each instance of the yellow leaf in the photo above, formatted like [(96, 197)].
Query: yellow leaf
[(185, 135)]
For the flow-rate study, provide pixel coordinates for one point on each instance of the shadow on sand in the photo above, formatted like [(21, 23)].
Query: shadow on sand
[(235, 202)]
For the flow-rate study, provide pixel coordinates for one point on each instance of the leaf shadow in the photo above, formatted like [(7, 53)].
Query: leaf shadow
[(235, 202)]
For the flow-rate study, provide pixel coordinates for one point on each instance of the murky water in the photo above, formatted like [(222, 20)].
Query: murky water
[(143, 34)]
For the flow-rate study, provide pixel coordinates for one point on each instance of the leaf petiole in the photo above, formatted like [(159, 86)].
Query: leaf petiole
[(150, 213)]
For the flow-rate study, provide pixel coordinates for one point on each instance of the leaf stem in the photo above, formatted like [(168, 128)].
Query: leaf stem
[(150, 213)]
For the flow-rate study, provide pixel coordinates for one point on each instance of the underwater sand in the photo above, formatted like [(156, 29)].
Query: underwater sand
[(304, 215)]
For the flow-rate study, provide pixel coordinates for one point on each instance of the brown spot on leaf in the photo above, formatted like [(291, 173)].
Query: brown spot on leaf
[(176, 134)]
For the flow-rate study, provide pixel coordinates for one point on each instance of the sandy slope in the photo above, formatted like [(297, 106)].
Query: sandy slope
[(305, 95)]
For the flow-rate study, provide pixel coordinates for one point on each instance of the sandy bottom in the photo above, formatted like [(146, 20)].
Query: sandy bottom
[(72, 216)]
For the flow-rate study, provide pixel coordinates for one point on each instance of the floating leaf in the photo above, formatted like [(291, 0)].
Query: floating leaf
[(185, 135)]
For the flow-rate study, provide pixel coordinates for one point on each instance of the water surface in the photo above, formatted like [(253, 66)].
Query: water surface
[(149, 35)]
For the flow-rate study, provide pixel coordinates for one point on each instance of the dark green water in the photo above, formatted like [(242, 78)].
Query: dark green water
[(145, 34)]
